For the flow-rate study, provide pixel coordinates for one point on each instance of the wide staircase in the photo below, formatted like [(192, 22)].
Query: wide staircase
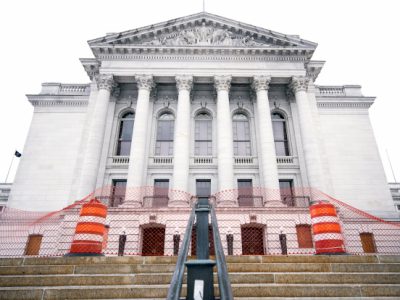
[(252, 277)]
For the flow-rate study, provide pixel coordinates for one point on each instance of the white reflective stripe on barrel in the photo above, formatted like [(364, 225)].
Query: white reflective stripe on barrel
[(327, 236), (324, 219), (88, 236), (91, 219)]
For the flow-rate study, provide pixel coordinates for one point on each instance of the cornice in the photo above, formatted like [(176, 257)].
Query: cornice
[(57, 100), (365, 104), (207, 58)]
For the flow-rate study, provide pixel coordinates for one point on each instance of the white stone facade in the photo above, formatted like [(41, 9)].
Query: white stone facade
[(200, 63)]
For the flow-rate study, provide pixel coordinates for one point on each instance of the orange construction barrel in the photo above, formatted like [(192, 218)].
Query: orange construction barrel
[(90, 229), (326, 228)]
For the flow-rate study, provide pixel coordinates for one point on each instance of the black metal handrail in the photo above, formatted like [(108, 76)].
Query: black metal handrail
[(175, 287), (224, 283)]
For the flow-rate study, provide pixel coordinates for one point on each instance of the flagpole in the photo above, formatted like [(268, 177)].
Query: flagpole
[(8, 173)]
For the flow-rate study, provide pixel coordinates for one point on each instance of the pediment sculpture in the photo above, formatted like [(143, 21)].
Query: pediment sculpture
[(204, 36)]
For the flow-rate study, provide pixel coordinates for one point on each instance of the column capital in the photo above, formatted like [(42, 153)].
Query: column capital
[(222, 83), (299, 83), (184, 82), (261, 82), (105, 82), (144, 82)]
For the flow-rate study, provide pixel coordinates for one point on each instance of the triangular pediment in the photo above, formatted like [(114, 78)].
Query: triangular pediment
[(202, 30)]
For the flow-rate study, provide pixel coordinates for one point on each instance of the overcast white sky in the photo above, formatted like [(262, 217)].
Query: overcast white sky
[(41, 41)]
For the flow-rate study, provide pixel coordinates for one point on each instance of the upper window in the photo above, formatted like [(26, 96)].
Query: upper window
[(125, 134), (280, 135), (241, 135), (203, 134), (165, 135)]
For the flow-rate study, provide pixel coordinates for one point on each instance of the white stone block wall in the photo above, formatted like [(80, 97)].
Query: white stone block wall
[(356, 170), (46, 170)]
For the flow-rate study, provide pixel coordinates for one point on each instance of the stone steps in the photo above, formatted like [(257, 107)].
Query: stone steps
[(252, 277), (235, 278), (169, 268)]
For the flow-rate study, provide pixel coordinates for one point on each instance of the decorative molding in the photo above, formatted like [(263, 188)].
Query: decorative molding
[(52, 103), (184, 82), (105, 82), (261, 82), (222, 83), (190, 55), (362, 105), (313, 68), (145, 82), (299, 83), (91, 66)]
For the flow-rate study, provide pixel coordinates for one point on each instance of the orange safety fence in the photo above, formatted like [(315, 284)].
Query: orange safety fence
[(151, 221)]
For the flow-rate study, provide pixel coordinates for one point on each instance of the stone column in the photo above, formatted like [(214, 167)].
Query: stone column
[(182, 142), (224, 141), (308, 132), (95, 136), (266, 153), (137, 156)]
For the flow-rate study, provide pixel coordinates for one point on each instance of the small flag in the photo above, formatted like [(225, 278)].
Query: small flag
[(17, 154)]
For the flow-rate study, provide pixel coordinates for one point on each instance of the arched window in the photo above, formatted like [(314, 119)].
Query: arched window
[(241, 135), (165, 135), (280, 134), (203, 134), (125, 134)]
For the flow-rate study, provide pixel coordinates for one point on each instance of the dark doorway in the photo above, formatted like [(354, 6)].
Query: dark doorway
[(252, 240), (153, 241), (368, 242), (210, 240), (33, 244)]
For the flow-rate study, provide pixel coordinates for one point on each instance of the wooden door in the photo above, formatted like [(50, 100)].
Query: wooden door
[(368, 242), (210, 239), (33, 244), (153, 241), (252, 240), (304, 236)]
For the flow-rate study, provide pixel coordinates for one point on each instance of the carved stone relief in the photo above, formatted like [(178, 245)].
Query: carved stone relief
[(204, 36)]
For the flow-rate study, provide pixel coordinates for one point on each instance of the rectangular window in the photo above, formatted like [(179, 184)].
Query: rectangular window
[(203, 138), (118, 192), (161, 187), (160, 196), (245, 192), (304, 236), (286, 190), (203, 187), (245, 187), (165, 138), (241, 138)]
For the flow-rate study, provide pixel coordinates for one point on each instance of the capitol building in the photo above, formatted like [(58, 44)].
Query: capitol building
[(201, 106)]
